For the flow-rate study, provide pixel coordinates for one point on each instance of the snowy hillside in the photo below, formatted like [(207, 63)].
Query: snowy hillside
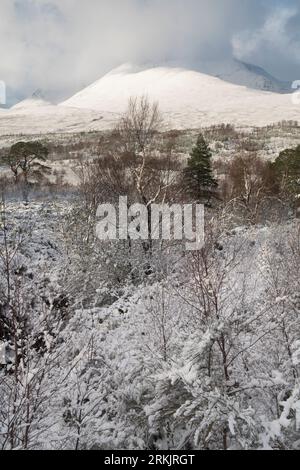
[(187, 98), (29, 105), (241, 73), (35, 115)]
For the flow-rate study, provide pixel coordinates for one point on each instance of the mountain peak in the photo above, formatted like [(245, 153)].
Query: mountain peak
[(241, 73), (189, 97), (35, 101), (38, 94), (230, 70), (210, 93)]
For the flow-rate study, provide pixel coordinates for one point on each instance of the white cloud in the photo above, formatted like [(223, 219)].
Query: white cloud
[(62, 45), (273, 44)]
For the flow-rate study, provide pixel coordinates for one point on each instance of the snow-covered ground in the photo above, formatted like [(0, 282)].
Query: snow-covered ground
[(138, 366), (29, 117)]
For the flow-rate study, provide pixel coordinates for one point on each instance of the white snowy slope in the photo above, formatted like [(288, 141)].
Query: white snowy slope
[(37, 116), (186, 97), (30, 105)]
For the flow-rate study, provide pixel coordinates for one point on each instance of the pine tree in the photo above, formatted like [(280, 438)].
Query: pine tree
[(27, 159), (198, 175), (287, 171)]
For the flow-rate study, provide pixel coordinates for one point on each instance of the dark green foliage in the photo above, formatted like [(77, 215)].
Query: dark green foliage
[(287, 171), (198, 176), (25, 159)]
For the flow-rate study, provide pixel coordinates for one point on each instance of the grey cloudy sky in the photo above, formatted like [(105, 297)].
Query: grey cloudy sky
[(63, 45)]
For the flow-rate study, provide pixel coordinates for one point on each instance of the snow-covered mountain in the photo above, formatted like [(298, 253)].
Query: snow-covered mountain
[(241, 73), (28, 105), (187, 98), (36, 115)]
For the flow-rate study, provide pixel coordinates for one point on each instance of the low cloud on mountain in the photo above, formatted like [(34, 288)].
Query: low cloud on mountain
[(63, 45)]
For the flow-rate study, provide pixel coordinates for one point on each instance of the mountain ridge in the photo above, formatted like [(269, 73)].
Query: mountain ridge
[(187, 99), (233, 71)]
